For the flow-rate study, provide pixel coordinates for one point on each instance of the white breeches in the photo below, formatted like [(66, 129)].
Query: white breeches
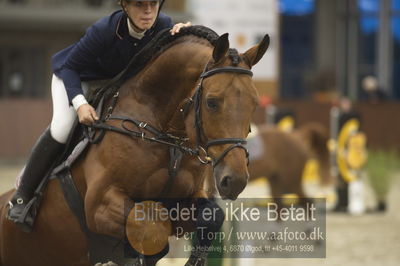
[(64, 114)]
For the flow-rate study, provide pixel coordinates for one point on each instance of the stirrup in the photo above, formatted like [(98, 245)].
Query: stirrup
[(17, 202), (26, 219), (20, 201)]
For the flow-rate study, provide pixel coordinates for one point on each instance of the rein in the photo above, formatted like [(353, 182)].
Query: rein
[(168, 139)]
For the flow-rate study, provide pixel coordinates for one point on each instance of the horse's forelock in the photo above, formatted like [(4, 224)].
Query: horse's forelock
[(234, 56)]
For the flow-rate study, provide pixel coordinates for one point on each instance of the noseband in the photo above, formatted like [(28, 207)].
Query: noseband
[(235, 142)]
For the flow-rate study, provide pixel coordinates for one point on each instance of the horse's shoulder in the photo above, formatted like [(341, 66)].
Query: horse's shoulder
[(270, 131)]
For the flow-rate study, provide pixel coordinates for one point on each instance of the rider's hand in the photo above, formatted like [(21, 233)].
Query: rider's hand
[(177, 27), (86, 114)]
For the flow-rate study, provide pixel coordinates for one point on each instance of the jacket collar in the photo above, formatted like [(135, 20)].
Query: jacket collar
[(122, 27), (133, 33)]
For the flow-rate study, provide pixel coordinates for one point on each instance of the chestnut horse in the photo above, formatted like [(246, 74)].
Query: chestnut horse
[(194, 66)]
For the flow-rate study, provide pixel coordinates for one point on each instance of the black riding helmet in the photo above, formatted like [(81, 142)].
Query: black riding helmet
[(161, 1), (159, 9)]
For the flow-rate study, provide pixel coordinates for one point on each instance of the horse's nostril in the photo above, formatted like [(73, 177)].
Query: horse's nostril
[(225, 182)]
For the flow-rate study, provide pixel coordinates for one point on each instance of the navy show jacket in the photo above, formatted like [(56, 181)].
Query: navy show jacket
[(102, 52)]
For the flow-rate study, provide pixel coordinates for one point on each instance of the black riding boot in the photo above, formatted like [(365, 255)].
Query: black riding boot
[(42, 156)]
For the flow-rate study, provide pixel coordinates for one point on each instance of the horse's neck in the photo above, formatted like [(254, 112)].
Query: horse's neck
[(166, 82)]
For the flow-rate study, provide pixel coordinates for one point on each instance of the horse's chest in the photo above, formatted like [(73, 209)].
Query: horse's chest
[(153, 176), (182, 184)]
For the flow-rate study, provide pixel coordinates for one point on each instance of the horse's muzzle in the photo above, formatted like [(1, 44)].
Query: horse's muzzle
[(231, 185)]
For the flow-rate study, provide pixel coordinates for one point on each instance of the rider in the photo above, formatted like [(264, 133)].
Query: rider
[(100, 54)]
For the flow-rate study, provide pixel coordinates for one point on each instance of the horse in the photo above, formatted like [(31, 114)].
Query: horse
[(192, 89), (282, 156)]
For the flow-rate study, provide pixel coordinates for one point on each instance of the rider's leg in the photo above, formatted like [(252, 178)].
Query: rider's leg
[(48, 147)]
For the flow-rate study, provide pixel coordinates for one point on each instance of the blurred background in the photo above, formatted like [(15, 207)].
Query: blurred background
[(321, 51), (330, 62)]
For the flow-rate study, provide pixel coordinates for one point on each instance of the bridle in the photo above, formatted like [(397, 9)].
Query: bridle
[(235, 142), (201, 151)]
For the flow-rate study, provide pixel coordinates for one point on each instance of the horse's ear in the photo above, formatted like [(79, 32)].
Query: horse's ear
[(221, 47), (255, 53)]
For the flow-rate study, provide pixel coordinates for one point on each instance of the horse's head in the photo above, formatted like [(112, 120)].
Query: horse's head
[(223, 106)]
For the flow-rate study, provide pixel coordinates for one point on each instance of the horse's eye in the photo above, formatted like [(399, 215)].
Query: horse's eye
[(212, 104)]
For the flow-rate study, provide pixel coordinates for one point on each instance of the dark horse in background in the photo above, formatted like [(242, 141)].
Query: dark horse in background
[(281, 157), (285, 156), (111, 174)]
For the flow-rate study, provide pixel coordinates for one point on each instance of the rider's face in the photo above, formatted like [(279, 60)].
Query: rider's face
[(142, 13)]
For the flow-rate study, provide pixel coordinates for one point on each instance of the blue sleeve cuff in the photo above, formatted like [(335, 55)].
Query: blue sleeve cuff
[(72, 93)]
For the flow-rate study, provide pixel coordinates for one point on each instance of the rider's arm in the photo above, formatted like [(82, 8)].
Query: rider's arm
[(81, 56)]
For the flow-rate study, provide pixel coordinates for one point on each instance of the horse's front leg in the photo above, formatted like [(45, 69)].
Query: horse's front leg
[(106, 211), (209, 219), (113, 213)]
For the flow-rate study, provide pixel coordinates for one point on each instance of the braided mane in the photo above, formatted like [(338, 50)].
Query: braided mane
[(161, 42)]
